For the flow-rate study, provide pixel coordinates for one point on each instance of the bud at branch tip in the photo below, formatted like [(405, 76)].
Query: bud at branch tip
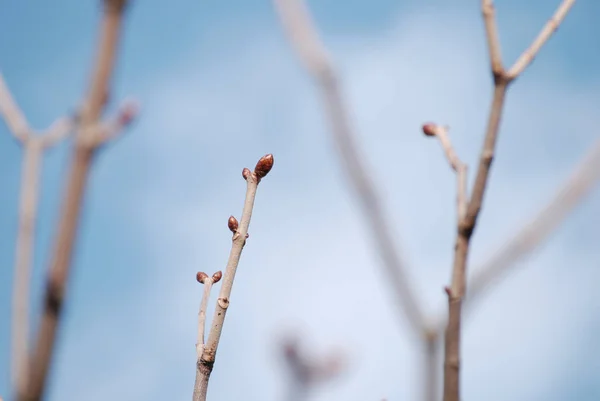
[(430, 129), (201, 277), (217, 276), (246, 173), (264, 165)]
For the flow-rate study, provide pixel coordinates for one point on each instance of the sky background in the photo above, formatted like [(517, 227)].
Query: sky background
[(220, 87)]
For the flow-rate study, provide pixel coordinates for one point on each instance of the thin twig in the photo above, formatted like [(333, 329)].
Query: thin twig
[(28, 201), (551, 26), (431, 367), (208, 282), (205, 362), (84, 149), (308, 372), (466, 226), (303, 35), (531, 235), (11, 113), (33, 147), (460, 168), (585, 175)]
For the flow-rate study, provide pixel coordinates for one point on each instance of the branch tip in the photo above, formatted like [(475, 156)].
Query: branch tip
[(246, 173), (430, 129), (217, 277), (264, 165), (201, 277)]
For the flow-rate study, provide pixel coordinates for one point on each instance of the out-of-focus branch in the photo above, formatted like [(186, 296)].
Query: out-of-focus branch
[(33, 147), (306, 372), (303, 35), (572, 192), (466, 225), (205, 361), (530, 236), (84, 149), (17, 124)]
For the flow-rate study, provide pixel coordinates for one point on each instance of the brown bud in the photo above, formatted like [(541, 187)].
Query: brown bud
[(217, 276), (201, 277), (246, 173), (264, 165), (232, 223), (429, 129)]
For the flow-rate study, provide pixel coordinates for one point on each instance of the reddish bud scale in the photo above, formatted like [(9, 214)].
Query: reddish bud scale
[(201, 277), (246, 173), (217, 276), (429, 129), (264, 165), (232, 223)]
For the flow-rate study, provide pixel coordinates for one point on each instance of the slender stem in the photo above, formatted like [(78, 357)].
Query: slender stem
[(82, 157), (551, 26), (466, 226), (208, 282), (430, 374), (32, 148), (206, 361), (15, 120)]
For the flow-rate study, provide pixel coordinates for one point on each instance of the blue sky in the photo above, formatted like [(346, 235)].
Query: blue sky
[(220, 87)]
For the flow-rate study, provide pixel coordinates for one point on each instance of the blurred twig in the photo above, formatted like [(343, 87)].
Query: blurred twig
[(297, 23), (89, 137), (307, 372), (33, 146)]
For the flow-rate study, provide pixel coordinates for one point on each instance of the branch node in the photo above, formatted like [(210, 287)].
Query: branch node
[(223, 303)]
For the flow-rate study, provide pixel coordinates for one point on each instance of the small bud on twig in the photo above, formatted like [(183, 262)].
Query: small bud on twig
[(217, 276), (429, 129), (201, 277), (232, 223), (246, 173), (264, 165)]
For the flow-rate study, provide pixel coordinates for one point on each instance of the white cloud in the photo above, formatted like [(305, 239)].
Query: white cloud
[(309, 263)]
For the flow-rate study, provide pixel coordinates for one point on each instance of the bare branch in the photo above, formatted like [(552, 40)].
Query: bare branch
[(73, 196), (13, 116), (297, 23), (551, 26), (526, 239), (58, 131), (205, 362), (203, 278), (456, 164), (493, 39), (467, 225), (28, 201)]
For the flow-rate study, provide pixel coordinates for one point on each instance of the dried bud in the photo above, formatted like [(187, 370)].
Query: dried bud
[(429, 129), (232, 223), (264, 165), (217, 276), (201, 277), (246, 173), (128, 112)]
